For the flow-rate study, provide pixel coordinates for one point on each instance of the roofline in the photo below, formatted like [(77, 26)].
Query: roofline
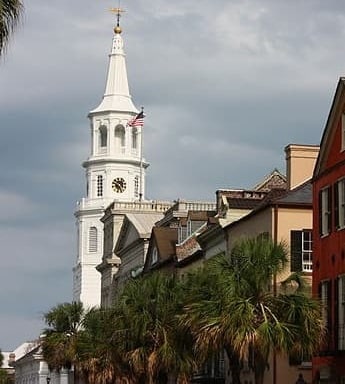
[(332, 115)]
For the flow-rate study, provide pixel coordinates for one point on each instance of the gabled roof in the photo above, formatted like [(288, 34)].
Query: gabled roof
[(299, 196), (142, 224), (337, 108), (164, 239), (303, 194), (273, 180)]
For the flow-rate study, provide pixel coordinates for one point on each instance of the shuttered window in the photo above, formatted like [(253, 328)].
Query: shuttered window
[(99, 185), (93, 239), (325, 213), (301, 243), (326, 300), (136, 186), (339, 204), (341, 313)]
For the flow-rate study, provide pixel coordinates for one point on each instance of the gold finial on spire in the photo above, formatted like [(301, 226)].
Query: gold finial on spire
[(118, 12)]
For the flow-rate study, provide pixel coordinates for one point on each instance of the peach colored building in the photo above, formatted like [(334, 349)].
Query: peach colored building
[(285, 215)]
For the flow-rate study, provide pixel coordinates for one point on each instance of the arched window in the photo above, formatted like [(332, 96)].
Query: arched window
[(136, 186), (99, 185), (103, 136), (120, 140), (134, 138), (93, 239)]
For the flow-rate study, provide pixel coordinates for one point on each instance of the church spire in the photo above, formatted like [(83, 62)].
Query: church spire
[(116, 96)]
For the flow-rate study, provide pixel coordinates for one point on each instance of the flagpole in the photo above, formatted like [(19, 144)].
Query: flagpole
[(141, 160)]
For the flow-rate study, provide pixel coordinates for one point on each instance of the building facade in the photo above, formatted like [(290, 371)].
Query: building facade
[(329, 242), (115, 170)]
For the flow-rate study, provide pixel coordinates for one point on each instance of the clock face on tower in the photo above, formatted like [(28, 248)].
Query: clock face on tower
[(119, 185)]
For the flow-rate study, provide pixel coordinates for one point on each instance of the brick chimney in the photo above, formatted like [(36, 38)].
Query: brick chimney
[(300, 162)]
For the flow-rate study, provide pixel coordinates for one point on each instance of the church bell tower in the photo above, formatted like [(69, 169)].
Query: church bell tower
[(115, 170)]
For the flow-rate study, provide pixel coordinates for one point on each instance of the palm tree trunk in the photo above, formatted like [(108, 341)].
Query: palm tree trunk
[(260, 364), (234, 365)]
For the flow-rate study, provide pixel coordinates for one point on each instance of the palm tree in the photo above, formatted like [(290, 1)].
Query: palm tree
[(59, 344), (156, 345), (98, 349), (10, 12), (243, 312)]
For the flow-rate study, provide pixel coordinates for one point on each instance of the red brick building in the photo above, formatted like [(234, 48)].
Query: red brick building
[(329, 241)]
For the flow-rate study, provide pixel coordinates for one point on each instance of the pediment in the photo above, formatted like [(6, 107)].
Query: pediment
[(128, 235)]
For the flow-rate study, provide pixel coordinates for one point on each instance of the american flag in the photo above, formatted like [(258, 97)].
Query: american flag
[(137, 121)]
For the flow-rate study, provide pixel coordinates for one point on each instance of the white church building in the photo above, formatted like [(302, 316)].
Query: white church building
[(115, 171)]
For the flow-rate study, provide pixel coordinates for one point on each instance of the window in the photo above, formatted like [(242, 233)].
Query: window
[(189, 228), (99, 185), (93, 239), (136, 186), (341, 313), (182, 233), (339, 203), (120, 139), (154, 256), (307, 251), (134, 138), (325, 211), (301, 243), (103, 136), (325, 296)]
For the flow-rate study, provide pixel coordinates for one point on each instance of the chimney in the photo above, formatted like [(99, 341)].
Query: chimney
[(300, 162)]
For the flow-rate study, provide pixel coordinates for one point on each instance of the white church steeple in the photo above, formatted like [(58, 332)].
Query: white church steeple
[(116, 96), (115, 170)]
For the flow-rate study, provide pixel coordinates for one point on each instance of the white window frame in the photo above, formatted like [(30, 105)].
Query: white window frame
[(341, 313), (325, 211), (99, 186), (341, 203), (307, 251)]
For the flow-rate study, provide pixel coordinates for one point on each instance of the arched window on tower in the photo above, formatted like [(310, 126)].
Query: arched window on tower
[(134, 139), (103, 136), (120, 140), (93, 239), (99, 185)]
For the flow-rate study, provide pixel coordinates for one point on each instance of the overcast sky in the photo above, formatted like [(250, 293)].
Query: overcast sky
[(226, 86)]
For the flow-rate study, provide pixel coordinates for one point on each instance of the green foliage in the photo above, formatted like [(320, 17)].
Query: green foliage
[(59, 344), (10, 12), (161, 327), (157, 344), (242, 313)]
